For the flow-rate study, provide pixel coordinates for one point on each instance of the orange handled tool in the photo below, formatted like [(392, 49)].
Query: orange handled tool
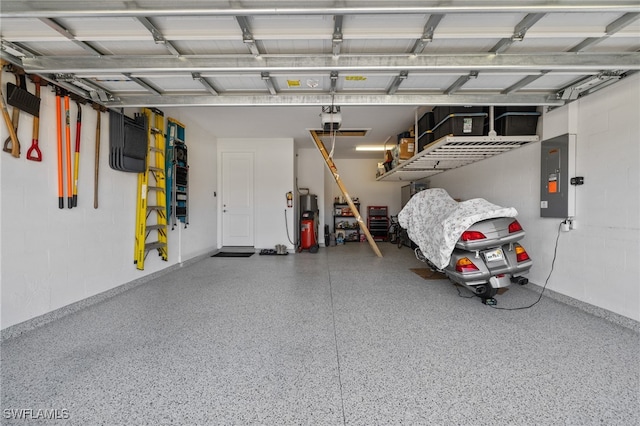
[(59, 133)]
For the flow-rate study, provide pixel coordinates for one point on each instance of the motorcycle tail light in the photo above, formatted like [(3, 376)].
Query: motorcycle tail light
[(465, 265), (514, 227), (521, 254), (472, 235)]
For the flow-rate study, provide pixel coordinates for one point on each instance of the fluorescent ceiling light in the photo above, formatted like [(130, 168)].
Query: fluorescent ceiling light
[(370, 148)]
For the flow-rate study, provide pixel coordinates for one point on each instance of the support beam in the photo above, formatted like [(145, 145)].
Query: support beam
[(313, 63), (260, 99), (247, 35), (157, 35), (334, 82), (18, 50), (522, 83), (397, 81), (461, 81), (518, 32), (334, 171), (611, 29), (269, 83), (427, 33), (336, 39), (51, 23), (143, 83), (204, 82), (23, 9)]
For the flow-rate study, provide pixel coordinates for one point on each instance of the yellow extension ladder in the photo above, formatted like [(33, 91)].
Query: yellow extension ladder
[(151, 215)]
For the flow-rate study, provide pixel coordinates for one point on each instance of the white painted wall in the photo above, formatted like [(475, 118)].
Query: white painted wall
[(53, 257), (200, 235), (359, 179), (598, 262), (273, 178)]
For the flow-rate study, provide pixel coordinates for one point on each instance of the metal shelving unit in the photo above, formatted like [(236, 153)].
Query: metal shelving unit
[(450, 152)]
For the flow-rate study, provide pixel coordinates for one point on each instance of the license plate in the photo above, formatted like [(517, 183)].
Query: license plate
[(492, 255)]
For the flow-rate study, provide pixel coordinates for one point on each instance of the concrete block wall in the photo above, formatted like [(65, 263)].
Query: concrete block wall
[(53, 257), (598, 262)]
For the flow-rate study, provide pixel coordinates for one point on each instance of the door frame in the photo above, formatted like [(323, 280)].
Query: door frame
[(221, 186)]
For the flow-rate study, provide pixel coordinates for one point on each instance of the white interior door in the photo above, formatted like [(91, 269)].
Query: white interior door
[(237, 199)]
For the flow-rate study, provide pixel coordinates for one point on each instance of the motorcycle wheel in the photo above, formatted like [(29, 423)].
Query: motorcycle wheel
[(486, 291)]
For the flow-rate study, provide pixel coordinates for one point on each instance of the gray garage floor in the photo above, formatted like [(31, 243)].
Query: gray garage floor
[(338, 337)]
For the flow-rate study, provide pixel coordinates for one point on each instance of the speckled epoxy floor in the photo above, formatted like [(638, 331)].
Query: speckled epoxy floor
[(338, 337)]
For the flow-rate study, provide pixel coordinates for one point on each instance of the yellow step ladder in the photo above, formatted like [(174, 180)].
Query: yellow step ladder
[(151, 215)]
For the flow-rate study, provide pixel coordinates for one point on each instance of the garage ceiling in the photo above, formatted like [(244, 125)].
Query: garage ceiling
[(351, 53)]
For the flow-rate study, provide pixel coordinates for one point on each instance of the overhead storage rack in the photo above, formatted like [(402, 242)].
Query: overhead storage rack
[(450, 152)]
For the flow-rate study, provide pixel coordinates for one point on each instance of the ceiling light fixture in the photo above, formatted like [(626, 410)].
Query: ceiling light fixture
[(370, 148)]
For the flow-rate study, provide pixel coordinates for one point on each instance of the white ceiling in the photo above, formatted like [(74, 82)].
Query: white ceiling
[(378, 60)]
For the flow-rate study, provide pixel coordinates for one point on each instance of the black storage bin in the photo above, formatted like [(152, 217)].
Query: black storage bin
[(461, 124), (442, 112), (425, 135), (516, 120), (425, 139), (403, 135), (425, 123), (499, 110)]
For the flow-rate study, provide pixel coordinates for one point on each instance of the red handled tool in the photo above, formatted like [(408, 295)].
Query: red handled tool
[(67, 130), (36, 127)]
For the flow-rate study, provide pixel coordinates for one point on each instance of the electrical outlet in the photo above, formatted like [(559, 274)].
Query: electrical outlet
[(572, 224)]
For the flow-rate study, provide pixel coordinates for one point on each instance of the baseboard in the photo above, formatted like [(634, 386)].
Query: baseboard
[(596, 311), (36, 322)]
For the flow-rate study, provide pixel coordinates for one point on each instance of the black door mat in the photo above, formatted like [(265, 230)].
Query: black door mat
[(232, 254)]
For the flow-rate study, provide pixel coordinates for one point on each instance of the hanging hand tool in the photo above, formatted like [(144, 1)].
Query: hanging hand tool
[(67, 129), (36, 126), (12, 145), (59, 133), (76, 167), (99, 109), (13, 137)]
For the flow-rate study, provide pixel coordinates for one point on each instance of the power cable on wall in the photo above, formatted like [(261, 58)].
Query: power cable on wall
[(555, 253), (286, 225)]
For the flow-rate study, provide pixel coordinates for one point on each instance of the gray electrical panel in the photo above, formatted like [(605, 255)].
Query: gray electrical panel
[(557, 197)]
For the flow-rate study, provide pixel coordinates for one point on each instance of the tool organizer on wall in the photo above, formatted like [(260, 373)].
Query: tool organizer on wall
[(178, 173)]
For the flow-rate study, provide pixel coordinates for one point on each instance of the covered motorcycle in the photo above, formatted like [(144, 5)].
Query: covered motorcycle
[(474, 242)]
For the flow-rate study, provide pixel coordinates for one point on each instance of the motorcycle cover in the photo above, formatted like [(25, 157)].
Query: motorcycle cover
[(435, 221)]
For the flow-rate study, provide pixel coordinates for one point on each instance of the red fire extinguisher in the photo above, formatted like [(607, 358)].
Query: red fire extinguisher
[(289, 199)]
